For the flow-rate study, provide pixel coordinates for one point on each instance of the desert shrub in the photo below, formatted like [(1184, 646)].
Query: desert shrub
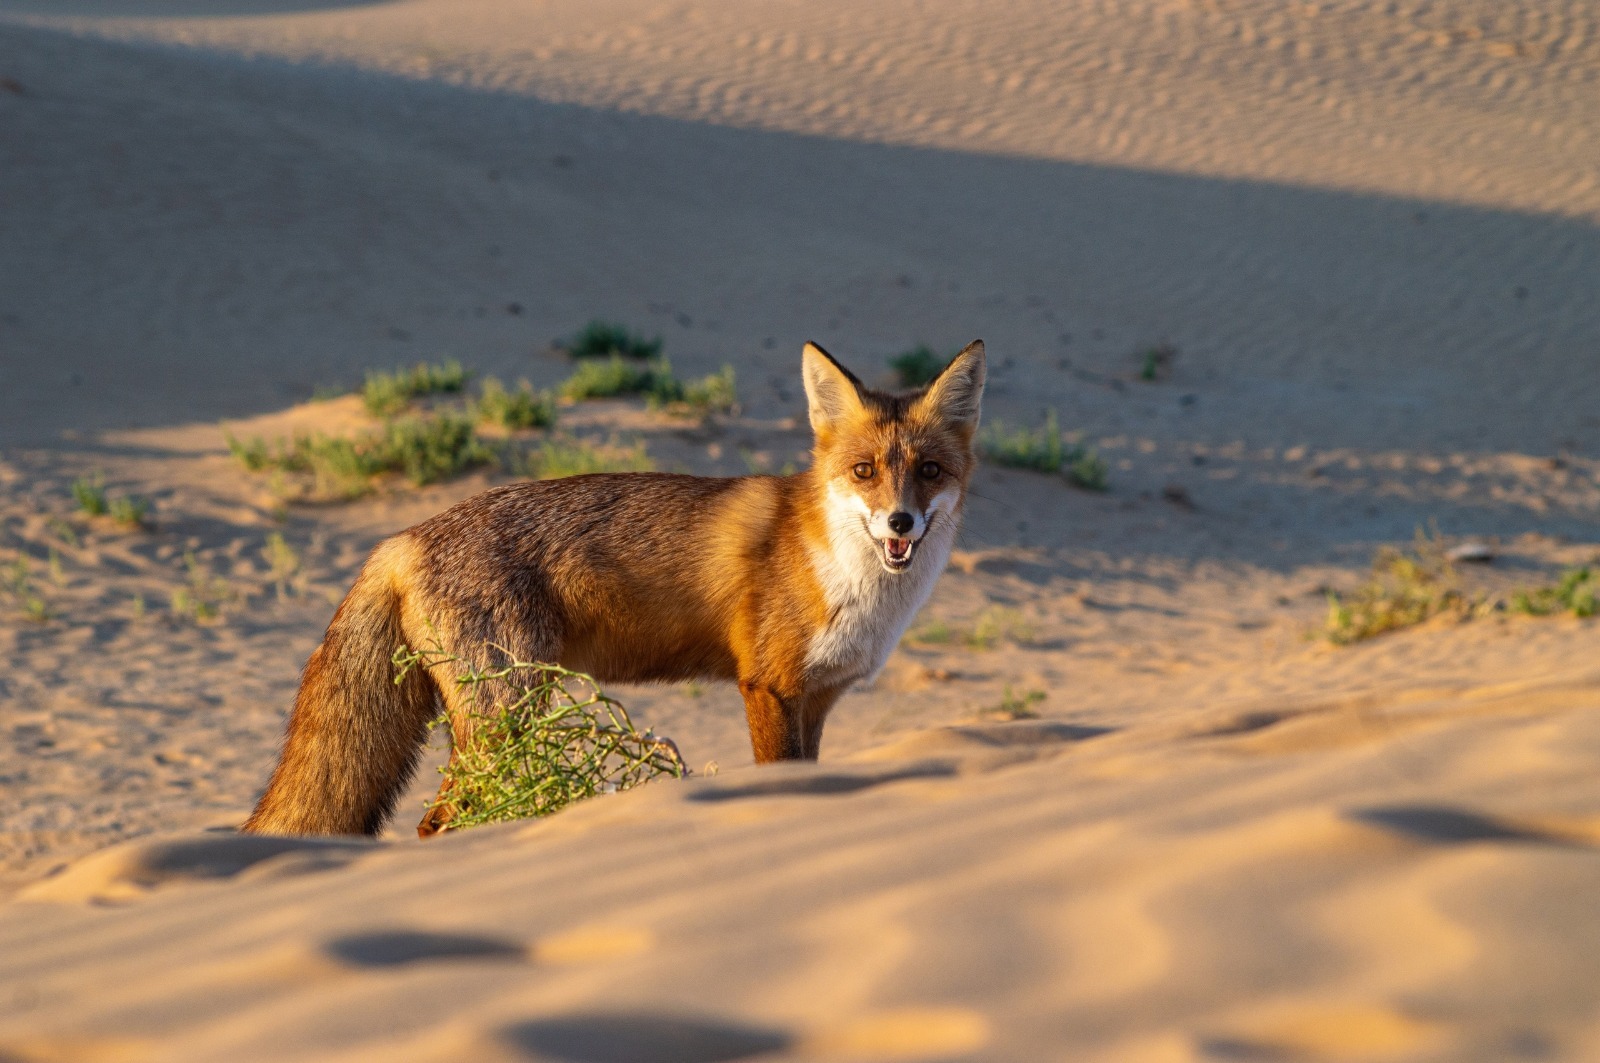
[(1044, 449), (697, 398), (424, 449), (1405, 588), (129, 511), (252, 453), (429, 449), (522, 408), (1575, 593), (339, 466), (388, 394), (17, 582), (996, 624), (202, 595), (1156, 363), (1087, 469), (616, 376), (89, 492), (934, 633), (993, 625), (559, 739), (653, 379), (918, 366), (1040, 449), (1013, 706), (1409, 587), (556, 458), (283, 563), (605, 339)]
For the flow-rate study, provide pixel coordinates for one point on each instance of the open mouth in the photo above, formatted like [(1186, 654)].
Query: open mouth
[(897, 553)]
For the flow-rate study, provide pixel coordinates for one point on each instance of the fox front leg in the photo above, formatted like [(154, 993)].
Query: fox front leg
[(786, 727), (776, 731), (814, 708)]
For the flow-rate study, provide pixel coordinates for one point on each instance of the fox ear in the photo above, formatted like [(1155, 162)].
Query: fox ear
[(956, 394), (832, 391)]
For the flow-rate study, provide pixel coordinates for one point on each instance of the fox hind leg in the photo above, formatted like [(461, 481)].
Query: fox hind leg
[(465, 705)]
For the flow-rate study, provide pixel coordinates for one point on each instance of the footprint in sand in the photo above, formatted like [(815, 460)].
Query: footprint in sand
[(639, 1037), (406, 948)]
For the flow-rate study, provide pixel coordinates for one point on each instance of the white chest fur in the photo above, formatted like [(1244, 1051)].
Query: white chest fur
[(869, 607)]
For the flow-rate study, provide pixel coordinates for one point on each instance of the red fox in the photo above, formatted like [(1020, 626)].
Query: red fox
[(792, 586)]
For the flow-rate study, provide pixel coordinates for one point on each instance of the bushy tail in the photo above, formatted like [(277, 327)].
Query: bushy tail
[(355, 735)]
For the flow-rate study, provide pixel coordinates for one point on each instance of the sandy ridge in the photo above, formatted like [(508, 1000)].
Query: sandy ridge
[(1172, 926), (1409, 99)]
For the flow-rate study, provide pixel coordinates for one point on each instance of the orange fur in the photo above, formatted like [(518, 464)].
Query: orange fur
[(788, 586)]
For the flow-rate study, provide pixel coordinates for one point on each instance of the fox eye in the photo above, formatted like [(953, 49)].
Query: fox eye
[(930, 470), (863, 470)]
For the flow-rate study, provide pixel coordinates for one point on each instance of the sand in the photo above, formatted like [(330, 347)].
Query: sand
[(1370, 232)]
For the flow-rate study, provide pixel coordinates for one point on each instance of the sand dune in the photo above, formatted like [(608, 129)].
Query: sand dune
[(1305, 885), (1369, 232)]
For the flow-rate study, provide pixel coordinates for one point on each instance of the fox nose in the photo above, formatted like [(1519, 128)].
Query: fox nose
[(900, 523)]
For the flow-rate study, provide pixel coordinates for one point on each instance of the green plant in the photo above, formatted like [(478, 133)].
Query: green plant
[(554, 739), (614, 376), (340, 467), (337, 466), (522, 408), (64, 532), (714, 393), (993, 625), (1405, 588), (1044, 449), (129, 511), (18, 576), (918, 366), (252, 453), (1014, 706), (1156, 362), (18, 583), (424, 449), (556, 458), (1087, 470), (996, 624), (387, 394), (283, 564), (934, 632), (90, 494), (604, 339), (203, 595), (698, 398), (430, 449), (1577, 592)]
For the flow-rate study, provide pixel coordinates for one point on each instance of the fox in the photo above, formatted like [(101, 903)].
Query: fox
[(794, 587)]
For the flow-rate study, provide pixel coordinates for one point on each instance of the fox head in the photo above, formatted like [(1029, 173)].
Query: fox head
[(896, 466)]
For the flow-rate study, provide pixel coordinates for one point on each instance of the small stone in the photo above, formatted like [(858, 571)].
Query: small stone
[(1475, 553)]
